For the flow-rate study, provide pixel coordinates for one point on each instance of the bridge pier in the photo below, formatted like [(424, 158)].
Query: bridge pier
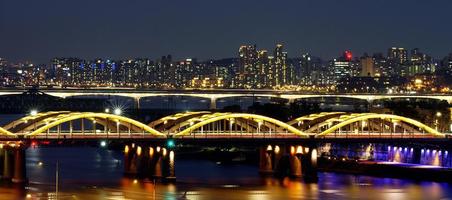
[(153, 162), (266, 157), (269, 159), (137, 167), (20, 175), (417, 155), (126, 159), (309, 163), (303, 162), (129, 154), (213, 103), (2, 158), (295, 159), (156, 163), (8, 165), (169, 171), (12, 164)]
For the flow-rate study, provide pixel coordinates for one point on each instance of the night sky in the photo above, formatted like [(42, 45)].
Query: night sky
[(38, 30)]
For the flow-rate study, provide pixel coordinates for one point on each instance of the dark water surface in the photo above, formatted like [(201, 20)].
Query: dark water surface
[(96, 173)]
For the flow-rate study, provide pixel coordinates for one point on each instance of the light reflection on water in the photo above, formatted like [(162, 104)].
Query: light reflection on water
[(93, 173)]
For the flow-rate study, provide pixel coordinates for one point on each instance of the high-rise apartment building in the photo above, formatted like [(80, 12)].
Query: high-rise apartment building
[(342, 66), (367, 66), (397, 60), (248, 66), (281, 67)]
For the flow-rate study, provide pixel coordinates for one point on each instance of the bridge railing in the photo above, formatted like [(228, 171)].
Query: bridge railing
[(377, 135), (91, 135), (213, 135)]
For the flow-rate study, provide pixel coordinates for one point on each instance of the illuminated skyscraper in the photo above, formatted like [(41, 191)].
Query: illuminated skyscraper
[(398, 54), (382, 69), (342, 66), (248, 66), (397, 60), (280, 66), (68, 71), (264, 73), (420, 63)]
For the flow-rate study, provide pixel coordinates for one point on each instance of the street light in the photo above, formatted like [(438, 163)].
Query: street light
[(117, 111), (33, 112), (103, 144), (107, 110), (438, 115)]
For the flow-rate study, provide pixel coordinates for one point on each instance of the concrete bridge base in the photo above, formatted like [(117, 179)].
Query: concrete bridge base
[(153, 162), (12, 164), (294, 161)]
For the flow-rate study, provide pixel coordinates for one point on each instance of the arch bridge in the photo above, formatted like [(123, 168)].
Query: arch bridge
[(215, 125)]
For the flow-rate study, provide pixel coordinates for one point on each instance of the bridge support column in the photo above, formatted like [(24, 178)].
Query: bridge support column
[(2, 159), (137, 167), (137, 103), (157, 162), (309, 163), (8, 164), (417, 155), (129, 154), (20, 175), (295, 161), (126, 159), (266, 160), (169, 166), (213, 103), (149, 164)]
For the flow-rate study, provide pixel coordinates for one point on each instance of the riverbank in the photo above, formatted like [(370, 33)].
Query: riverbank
[(387, 169)]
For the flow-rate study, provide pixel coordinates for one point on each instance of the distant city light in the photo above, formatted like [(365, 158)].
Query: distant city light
[(103, 143)]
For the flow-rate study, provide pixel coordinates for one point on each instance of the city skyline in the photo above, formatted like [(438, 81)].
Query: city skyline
[(399, 70), (39, 31), (296, 55)]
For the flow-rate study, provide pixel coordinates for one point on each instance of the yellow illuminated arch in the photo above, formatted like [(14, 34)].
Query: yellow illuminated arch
[(5, 132), (241, 115), (175, 117), (31, 118), (381, 116), (94, 115), (313, 117)]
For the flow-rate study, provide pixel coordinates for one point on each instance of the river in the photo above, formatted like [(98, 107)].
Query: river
[(96, 173)]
